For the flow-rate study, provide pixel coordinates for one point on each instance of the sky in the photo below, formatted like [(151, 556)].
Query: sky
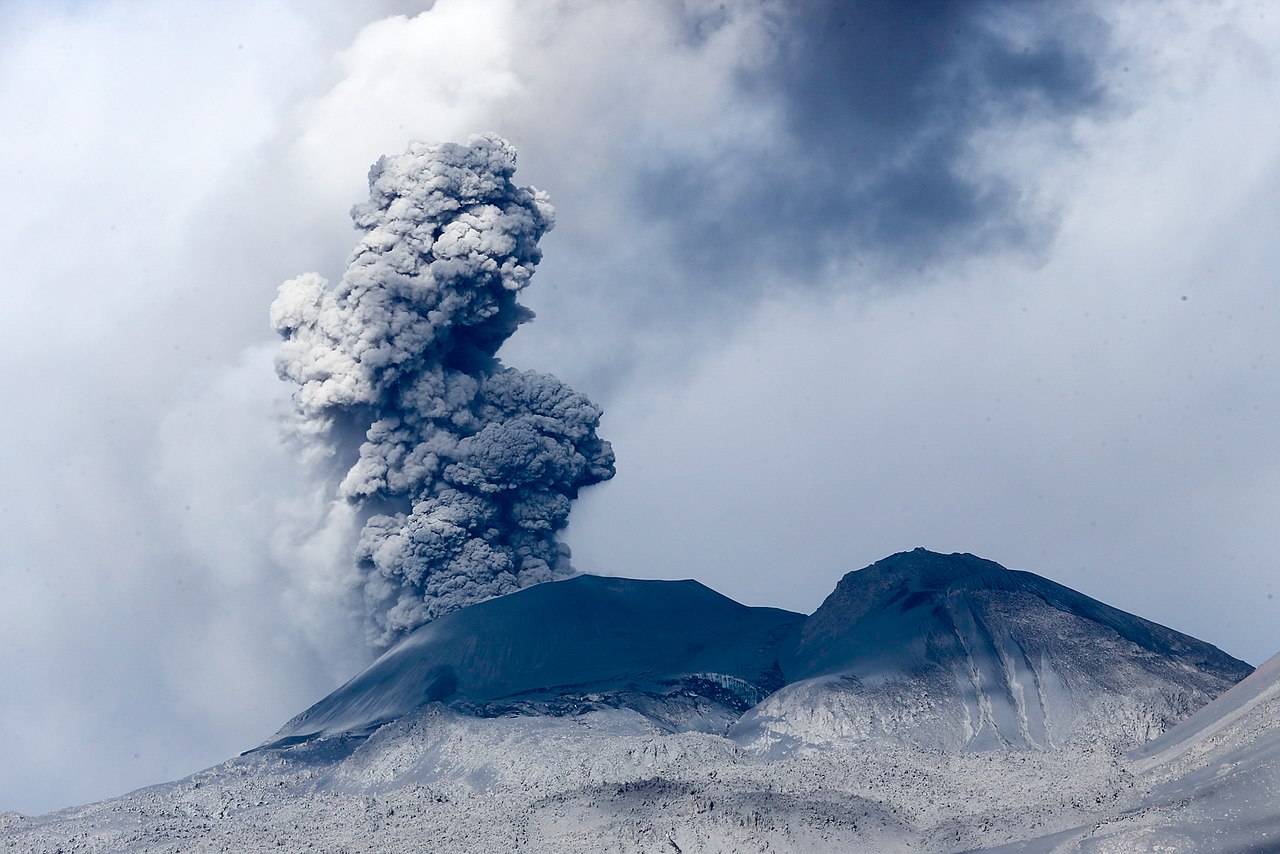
[(846, 279)]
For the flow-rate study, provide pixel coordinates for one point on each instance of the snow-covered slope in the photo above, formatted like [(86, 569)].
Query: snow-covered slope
[(957, 652), (676, 650)]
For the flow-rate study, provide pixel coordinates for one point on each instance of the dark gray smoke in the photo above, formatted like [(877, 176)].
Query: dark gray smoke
[(464, 469)]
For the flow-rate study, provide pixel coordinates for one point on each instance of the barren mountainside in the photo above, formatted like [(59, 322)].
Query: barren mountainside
[(949, 651), (957, 652), (932, 703)]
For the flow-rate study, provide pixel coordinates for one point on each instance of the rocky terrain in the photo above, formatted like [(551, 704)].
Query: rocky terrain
[(932, 703)]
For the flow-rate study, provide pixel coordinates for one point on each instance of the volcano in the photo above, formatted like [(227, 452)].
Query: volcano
[(957, 652), (937, 703), (677, 650), (948, 651)]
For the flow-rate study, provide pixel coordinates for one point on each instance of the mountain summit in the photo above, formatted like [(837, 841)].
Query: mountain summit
[(933, 703), (951, 651), (957, 652), (678, 651)]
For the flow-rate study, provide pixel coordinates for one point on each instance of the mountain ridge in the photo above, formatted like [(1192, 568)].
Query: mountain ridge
[(604, 637), (605, 714), (1006, 658)]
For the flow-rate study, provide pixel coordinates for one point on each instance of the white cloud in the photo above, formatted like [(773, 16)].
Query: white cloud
[(436, 76)]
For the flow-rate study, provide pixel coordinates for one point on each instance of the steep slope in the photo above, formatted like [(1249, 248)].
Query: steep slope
[(944, 651), (1212, 783), (681, 653), (1249, 711), (957, 652), (598, 714)]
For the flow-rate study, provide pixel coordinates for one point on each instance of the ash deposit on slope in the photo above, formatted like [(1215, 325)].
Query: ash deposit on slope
[(463, 469), (944, 652), (584, 716)]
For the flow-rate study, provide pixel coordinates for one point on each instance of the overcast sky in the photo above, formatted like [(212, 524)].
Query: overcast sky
[(846, 279)]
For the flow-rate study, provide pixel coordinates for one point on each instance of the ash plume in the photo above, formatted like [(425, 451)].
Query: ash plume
[(463, 469)]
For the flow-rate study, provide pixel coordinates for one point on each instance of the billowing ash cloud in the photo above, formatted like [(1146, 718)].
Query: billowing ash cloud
[(464, 468)]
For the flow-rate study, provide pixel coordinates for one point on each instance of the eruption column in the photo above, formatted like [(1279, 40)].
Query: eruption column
[(463, 469)]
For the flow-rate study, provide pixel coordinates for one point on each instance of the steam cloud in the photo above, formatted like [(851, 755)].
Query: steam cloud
[(463, 469)]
